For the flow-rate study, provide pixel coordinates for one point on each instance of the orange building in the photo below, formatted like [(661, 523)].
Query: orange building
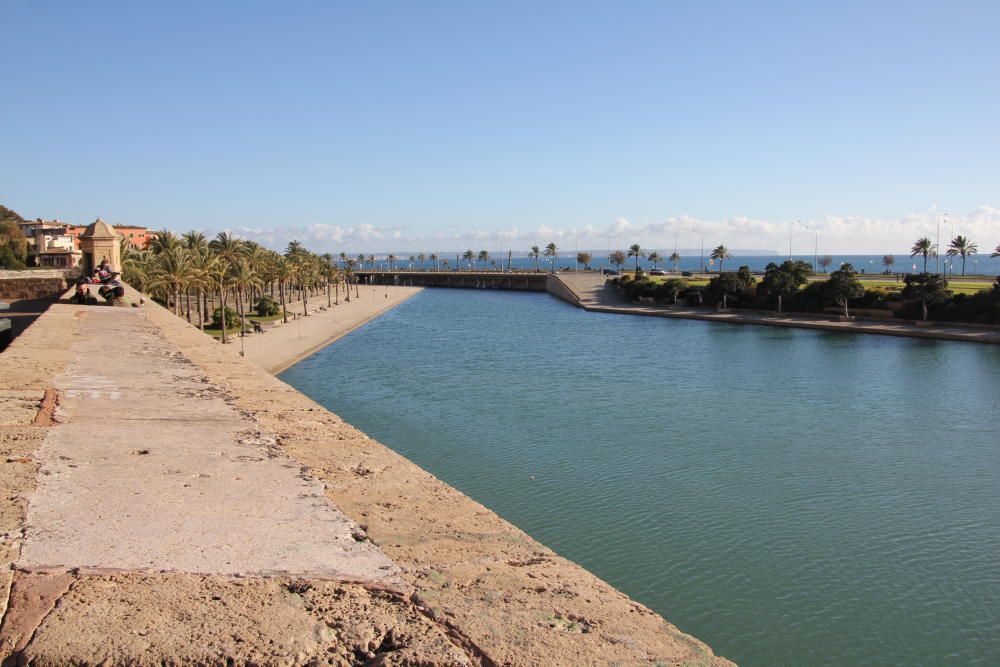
[(137, 237)]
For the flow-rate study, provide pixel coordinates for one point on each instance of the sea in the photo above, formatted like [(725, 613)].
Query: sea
[(790, 497), (978, 265)]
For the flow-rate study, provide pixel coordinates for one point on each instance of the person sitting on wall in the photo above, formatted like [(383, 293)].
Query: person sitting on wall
[(107, 293), (79, 296)]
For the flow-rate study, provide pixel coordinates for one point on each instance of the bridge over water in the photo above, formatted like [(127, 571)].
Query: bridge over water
[(523, 281), (530, 281)]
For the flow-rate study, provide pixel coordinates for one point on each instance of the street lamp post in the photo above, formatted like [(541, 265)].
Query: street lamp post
[(701, 259)]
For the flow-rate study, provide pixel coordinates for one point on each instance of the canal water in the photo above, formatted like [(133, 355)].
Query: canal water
[(789, 497)]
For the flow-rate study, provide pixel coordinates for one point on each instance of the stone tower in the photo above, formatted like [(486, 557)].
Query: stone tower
[(100, 241)]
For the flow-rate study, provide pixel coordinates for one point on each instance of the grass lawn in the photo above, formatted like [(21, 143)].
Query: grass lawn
[(264, 318), (692, 282), (234, 331), (957, 286)]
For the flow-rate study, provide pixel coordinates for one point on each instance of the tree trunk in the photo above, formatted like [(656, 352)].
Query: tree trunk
[(239, 308), (305, 301), (187, 302), (924, 305), (222, 312), (284, 310), (201, 312), (779, 303), (724, 300)]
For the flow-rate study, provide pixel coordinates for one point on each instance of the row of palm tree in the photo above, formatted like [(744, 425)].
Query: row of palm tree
[(216, 272), (960, 246)]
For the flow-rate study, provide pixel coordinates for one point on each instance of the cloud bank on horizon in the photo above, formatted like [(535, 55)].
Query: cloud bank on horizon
[(832, 234)]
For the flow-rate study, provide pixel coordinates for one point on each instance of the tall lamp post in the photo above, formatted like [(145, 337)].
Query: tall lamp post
[(815, 245), (701, 259)]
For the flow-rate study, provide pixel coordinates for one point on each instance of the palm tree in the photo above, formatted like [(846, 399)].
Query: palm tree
[(534, 254), (170, 270), (434, 260), (469, 256), (924, 246), (164, 240), (617, 258), (996, 253), (888, 261), (676, 259), (635, 250), (421, 257), (655, 258), (328, 272), (361, 261), (722, 254), (193, 240), (391, 260), (229, 250), (257, 257), (484, 257), (135, 268), (962, 245), (552, 250), (243, 277), (202, 260), (284, 272)]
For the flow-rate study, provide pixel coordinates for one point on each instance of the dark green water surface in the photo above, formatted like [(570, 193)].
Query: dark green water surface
[(789, 497)]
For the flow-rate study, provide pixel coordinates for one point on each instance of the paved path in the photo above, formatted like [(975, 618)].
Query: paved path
[(597, 295), (282, 346), (151, 468)]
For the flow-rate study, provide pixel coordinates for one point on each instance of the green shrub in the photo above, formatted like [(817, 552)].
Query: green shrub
[(232, 318), (9, 258), (267, 306)]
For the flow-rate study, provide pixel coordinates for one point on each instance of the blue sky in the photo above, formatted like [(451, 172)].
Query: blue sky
[(409, 125)]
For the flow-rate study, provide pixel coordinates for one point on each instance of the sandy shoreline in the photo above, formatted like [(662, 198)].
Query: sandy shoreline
[(285, 345)]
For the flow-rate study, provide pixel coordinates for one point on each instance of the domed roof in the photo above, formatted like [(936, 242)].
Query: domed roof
[(99, 229)]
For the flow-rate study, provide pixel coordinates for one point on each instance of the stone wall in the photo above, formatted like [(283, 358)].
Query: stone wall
[(31, 284), (554, 285)]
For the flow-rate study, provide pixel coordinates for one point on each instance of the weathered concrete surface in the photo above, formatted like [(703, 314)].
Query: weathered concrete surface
[(600, 297), (149, 468), (475, 589), (187, 619)]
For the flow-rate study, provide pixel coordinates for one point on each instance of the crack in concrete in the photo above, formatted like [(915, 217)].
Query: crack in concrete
[(46, 412)]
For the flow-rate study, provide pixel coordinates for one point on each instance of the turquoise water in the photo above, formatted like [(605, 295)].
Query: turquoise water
[(789, 497)]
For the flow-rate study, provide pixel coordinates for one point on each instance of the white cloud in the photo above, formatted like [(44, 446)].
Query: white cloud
[(835, 234)]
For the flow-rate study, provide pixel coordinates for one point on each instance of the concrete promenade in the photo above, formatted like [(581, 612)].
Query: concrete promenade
[(594, 294), (170, 501)]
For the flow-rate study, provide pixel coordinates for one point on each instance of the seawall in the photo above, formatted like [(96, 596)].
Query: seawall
[(594, 294), (212, 513)]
